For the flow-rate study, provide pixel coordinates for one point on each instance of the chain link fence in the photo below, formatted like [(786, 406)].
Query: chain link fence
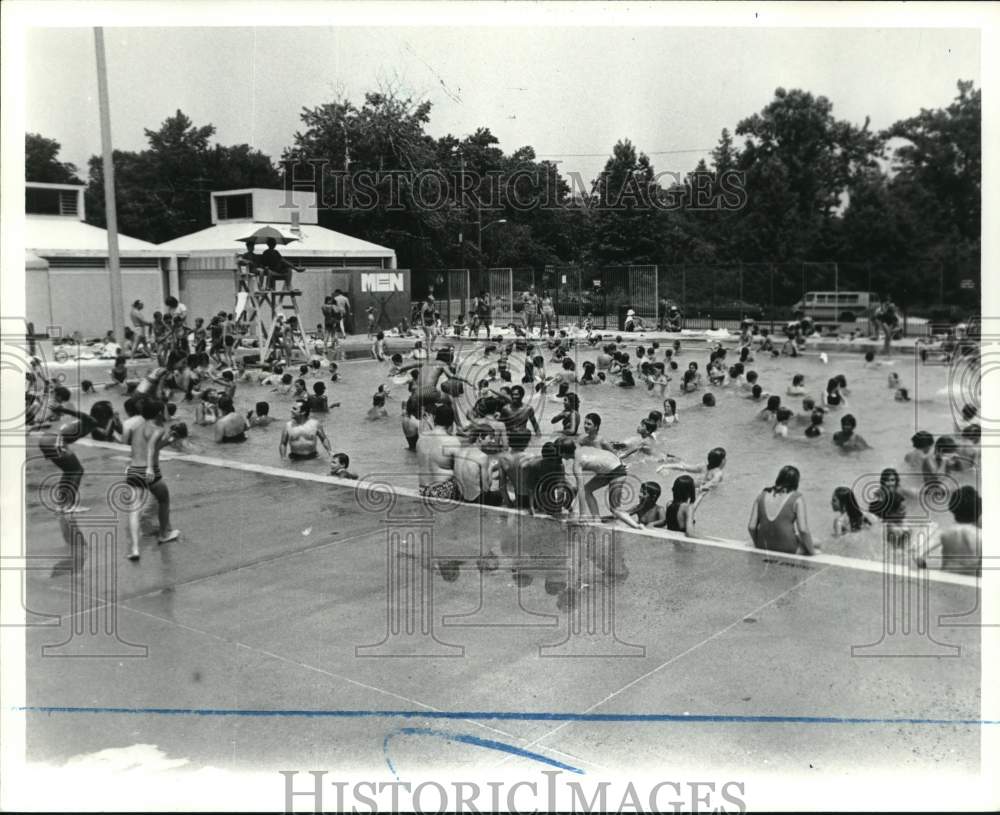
[(839, 297)]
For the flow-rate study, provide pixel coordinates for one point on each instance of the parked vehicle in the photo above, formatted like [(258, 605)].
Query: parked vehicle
[(837, 306)]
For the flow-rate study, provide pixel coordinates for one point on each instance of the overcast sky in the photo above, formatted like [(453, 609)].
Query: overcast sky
[(569, 93)]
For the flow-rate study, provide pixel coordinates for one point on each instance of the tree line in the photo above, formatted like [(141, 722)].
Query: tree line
[(791, 183)]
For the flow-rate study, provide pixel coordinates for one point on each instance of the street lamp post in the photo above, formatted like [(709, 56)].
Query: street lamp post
[(479, 221)]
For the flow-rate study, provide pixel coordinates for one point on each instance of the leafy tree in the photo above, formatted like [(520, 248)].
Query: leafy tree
[(163, 192), (41, 161), (799, 161)]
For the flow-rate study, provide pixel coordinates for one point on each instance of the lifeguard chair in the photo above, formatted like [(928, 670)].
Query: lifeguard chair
[(266, 310)]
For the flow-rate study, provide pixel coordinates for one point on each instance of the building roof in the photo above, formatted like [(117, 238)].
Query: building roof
[(58, 236), (315, 241), (32, 261)]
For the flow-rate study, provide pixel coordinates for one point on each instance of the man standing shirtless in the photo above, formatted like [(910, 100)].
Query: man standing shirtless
[(436, 454), (143, 473), (300, 435)]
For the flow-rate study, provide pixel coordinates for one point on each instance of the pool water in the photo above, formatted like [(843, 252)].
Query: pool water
[(378, 449)]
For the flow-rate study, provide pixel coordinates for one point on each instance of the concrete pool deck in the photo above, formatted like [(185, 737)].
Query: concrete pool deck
[(285, 594)]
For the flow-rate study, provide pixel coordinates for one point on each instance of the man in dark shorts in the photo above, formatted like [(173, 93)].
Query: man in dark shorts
[(481, 313), (277, 267)]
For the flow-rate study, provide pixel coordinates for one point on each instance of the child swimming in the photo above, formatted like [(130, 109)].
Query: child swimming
[(711, 473)]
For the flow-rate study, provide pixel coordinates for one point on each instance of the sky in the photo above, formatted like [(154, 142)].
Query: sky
[(570, 93)]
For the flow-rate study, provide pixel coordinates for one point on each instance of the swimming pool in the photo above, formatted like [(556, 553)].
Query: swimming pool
[(754, 456)]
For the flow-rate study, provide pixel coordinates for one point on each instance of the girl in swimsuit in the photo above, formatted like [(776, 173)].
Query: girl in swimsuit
[(679, 514), (778, 517)]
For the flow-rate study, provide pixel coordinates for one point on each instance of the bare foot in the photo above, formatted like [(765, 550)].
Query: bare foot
[(133, 556), (172, 535)]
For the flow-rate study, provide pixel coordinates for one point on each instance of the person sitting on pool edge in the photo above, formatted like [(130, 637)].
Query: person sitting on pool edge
[(778, 517), (301, 433)]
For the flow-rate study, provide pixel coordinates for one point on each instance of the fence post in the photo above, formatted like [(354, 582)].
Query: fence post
[(684, 299), (711, 317), (770, 278)]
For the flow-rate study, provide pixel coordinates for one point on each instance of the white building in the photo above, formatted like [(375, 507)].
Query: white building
[(66, 265), (206, 260)]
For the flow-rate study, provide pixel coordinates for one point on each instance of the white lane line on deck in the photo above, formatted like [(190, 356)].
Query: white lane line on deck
[(842, 561), (671, 661)]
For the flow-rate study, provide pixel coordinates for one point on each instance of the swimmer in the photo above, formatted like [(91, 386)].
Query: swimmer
[(894, 383), (770, 411), (670, 412), (850, 517), (230, 427), (797, 388), (708, 400), (648, 512), (846, 439), (340, 466), (260, 416), (570, 415), (923, 444), (607, 471), (815, 430), (298, 439), (781, 422), (642, 442), (711, 473), (377, 410)]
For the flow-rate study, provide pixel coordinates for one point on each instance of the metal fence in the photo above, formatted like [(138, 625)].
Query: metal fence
[(711, 296)]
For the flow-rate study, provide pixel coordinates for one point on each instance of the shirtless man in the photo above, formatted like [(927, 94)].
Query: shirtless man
[(432, 374), (230, 427), (516, 416), (608, 471), (143, 473), (133, 410), (436, 454), (475, 471), (592, 433), (300, 435)]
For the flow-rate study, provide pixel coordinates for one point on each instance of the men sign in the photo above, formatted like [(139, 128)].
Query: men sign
[(381, 281)]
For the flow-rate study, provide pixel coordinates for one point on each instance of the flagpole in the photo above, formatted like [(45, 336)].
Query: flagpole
[(111, 214)]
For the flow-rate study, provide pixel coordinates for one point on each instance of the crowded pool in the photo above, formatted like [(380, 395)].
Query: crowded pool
[(378, 450)]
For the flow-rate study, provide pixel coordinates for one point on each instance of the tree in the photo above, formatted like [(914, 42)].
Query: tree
[(799, 161), (625, 215), (163, 192), (41, 161), (938, 168)]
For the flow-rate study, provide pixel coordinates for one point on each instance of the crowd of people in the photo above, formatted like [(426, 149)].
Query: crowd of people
[(473, 421)]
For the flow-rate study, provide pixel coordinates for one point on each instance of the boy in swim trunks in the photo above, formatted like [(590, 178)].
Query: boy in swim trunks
[(143, 473)]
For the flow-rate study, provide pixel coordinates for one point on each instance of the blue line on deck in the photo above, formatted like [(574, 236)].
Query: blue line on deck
[(475, 741), (526, 716)]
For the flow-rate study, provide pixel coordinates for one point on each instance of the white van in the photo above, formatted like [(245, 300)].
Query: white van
[(837, 306)]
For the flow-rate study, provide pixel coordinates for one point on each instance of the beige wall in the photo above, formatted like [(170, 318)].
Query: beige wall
[(37, 305), (80, 298)]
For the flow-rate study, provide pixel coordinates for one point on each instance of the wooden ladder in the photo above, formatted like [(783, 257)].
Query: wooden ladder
[(271, 310)]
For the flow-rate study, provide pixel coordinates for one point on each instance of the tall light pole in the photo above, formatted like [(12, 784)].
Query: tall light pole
[(484, 228), (108, 168)]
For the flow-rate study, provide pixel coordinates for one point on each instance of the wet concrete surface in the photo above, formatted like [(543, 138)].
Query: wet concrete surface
[(287, 595)]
